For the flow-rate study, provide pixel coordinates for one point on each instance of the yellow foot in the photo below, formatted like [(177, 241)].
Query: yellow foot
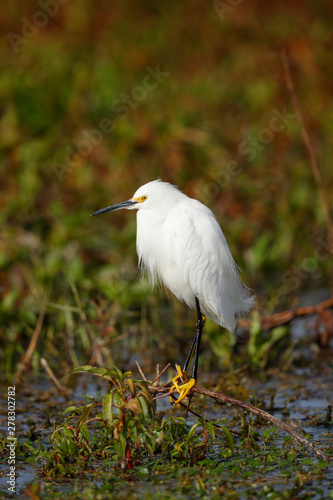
[(183, 388)]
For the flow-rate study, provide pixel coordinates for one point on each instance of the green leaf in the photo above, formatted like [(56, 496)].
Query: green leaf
[(146, 407), (131, 387), (67, 432), (30, 448), (144, 388), (71, 448), (171, 427), (259, 345), (107, 408), (118, 401), (102, 372), (228, 437), (89, 369), (85, 413), (85, 432), (193, 430), (150, 447), (64, 446), (71, 409), (211, 429)]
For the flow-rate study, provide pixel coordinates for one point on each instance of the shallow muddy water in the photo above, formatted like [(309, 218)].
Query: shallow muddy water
[(302, 398)]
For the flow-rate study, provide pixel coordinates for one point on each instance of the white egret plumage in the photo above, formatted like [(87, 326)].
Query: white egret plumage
[(180, 244)]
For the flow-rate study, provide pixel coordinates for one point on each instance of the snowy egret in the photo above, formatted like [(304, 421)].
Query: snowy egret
[(180, 243)]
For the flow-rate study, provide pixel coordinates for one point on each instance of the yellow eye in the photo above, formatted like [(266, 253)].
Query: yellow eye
[(140, 199)]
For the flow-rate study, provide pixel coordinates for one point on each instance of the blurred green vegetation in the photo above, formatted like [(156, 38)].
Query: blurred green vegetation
[(205, 126)]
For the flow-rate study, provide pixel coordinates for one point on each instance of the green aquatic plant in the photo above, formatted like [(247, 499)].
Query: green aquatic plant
[(116, 427), (123, 429)]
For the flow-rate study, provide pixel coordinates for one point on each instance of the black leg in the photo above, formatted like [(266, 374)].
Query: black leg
[(195, 342), (189, 356), (200, 324), (185, 387)]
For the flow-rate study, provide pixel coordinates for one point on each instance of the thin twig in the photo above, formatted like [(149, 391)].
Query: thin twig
[(267, 416), (160, 373), (141, 372), (306, 138), (160, 396), (257, 411), (21, 367), (62, 389), (220, 396), (284, 317)]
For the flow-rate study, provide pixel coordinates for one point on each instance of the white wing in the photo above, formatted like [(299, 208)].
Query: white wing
[(203, 259)]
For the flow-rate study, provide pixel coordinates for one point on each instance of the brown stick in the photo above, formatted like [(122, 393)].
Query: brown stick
[(22, 366), (261, 413), (159, 374), (141, 372), (307, 141), (267, 416), (62, 389), (284, 317)]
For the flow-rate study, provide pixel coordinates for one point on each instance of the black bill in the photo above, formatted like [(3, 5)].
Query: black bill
[(118, 206)]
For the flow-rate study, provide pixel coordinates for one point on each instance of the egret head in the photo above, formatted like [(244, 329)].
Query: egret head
[(149, 196)]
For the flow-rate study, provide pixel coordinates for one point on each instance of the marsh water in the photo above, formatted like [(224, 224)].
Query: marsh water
[(302, 398)]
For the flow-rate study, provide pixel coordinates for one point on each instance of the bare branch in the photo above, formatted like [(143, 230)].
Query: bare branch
[(141, 372), (23, 364), (284, 317), (220, 396), (62, 389), (160, 373)]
